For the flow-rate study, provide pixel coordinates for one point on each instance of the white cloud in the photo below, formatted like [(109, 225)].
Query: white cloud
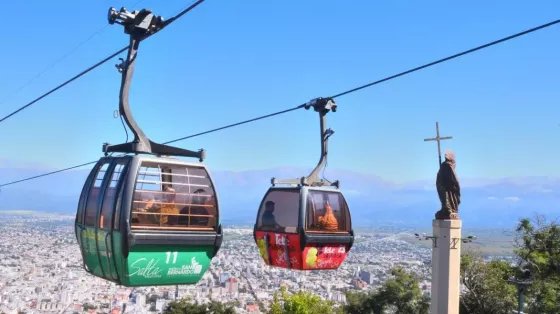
[(491, 198), (512, 198)]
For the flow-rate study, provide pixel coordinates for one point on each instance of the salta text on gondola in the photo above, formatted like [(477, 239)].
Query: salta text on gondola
[(146, 270), (149, 268)]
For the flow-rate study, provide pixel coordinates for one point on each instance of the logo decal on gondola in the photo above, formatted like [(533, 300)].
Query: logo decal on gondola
[(149, 270), (194, 268)]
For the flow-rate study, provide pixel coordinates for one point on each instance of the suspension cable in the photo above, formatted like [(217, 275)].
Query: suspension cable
[(171, 20), (334, 96)]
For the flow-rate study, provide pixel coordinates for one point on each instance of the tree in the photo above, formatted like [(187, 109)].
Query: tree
[(538, 248), (185, 306), (262, 308), (487, 289), (402, 293), (276, 306), (358, 303), (302, 302), (88, 306), (538, 253)]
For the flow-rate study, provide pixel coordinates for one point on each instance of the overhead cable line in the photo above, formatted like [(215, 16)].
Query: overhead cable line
[(51, 65), (49, 173), (334, 96), (166, 23), (534, 29), (172, 141), (66, 55)]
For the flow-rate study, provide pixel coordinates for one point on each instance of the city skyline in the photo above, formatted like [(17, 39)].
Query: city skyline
[(37, 279)]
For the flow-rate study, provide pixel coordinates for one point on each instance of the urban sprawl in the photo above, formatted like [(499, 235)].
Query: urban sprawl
[(41, 272)]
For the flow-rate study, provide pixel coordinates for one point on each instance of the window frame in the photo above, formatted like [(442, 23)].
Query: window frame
[(84, 195), (106, 184), (345, 215), (99, 166), (150, 163), (260, 212)]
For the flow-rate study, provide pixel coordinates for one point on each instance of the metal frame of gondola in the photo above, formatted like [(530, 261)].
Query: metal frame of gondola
[(313, 182), (322, 106), (139, 25)]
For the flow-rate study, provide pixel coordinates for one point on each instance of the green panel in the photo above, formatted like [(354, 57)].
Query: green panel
[(106, 254), (150, 265), (118, 254), (90, 250)]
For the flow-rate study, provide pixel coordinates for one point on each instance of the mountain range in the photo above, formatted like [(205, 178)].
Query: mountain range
[(373, 201)]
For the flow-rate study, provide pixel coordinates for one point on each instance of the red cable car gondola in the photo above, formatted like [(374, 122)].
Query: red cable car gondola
[(307, 224)]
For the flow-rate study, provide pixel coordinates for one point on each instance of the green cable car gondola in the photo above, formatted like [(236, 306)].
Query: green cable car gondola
[(147, 220)]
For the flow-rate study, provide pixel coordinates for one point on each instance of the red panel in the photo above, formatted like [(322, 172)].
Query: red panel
[(323, 256), (280, 247), (319, 257)]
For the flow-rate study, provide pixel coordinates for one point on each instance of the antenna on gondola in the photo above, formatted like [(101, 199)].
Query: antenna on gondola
[(322, 106), (139, 25)]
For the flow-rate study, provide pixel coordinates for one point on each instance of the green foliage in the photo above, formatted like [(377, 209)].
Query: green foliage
[(401, 294), (301, 303), (488, 291), (185, 306), (276, 306), (538, 247), (538, 251), (88, 306), (262, 308), (360, 303)]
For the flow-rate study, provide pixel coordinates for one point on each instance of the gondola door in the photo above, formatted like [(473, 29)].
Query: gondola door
[(87, 230), (111, 187), (277, 226), (79, 227)]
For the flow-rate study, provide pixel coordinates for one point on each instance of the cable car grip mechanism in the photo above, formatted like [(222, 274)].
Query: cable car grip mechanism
[(322, 106), (139, 25)]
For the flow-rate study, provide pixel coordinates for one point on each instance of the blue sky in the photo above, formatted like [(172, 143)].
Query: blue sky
[(231, 60)]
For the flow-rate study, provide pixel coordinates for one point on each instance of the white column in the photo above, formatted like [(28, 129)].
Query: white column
[(446, 263)]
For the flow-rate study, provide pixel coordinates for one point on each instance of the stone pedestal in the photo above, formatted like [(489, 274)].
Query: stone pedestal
[(446, 263)]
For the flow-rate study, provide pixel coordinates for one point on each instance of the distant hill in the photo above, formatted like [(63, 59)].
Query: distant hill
[(373, 200)]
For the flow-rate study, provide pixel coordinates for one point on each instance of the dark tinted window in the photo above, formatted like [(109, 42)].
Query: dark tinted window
[(92, 201), (280, 211), (173, 197), (110, 195), (327, 212), (82, 202)]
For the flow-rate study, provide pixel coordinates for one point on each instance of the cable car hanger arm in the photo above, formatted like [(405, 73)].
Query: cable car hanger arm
[(322, 106), (139, 25)]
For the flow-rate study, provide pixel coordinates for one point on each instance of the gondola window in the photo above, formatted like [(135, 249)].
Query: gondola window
[(173, 197)]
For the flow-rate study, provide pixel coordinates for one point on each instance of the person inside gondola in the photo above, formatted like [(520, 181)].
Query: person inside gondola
[(328, 222), (199, 200), (165, 206), (138, 215), (268, 220)]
